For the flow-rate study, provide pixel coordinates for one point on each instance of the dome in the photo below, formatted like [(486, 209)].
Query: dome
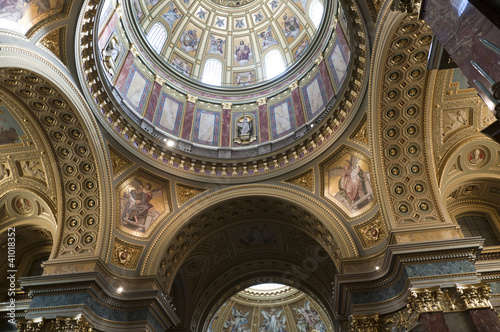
[(228, 43), (187, 83)]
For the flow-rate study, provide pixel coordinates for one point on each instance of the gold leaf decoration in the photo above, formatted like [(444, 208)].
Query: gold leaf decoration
[(54, 41), (125, 255), (119, 163), (361, 132), (371, 232), (185, 192), (304, 180)]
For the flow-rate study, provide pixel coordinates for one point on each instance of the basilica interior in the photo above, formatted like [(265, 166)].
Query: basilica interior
[(249, 165)]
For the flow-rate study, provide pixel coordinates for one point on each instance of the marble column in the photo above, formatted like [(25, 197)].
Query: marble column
[(297, 105), (432, 321), (187, 124), (263, 120), (153, 101), (485, 320), (226, 124)]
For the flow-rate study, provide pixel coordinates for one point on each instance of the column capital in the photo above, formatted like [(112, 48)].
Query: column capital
[(262, 101), (425, 299), (192, 98), (227, 106), (475, 296)]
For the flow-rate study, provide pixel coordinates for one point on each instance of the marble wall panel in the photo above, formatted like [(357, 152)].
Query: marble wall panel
[(169, 114), (136, 89), (282, 120), (206, 127), (314, 96)]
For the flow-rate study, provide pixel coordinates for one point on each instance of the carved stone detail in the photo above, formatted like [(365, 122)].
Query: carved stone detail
[(475, 296)]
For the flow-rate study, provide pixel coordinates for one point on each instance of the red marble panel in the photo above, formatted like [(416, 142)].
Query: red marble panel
[(297, 107), (325, 78), (153, 101), (124, 71), (226, 127), (485, 320), (106, 32), (263, 123), (432, 322), (188, 121)]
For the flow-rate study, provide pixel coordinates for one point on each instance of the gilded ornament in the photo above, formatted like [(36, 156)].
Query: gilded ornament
[(305, 180), (185, 192), (372, 232), (118, 162), (361, 134)]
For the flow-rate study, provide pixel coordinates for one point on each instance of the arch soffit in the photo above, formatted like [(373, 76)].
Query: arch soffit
[(74, 103), (166, 238), (397, 94)]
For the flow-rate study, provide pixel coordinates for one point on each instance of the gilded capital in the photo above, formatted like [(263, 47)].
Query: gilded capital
[(160, 80), (294, 85), (319, 59), (192, 99), (365, 323), (227, 106), (475, 296), (261, 101), (425, 299), (133, 50)]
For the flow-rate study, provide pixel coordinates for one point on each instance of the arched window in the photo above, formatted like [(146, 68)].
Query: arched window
[(273, 63), (478, 225), (316, 12), (157, 36), (212, 73)]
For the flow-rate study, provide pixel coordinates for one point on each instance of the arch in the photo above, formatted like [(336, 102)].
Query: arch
[(157, 36), (319, 215), (273, 63), (15, 58), (212, 72)]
